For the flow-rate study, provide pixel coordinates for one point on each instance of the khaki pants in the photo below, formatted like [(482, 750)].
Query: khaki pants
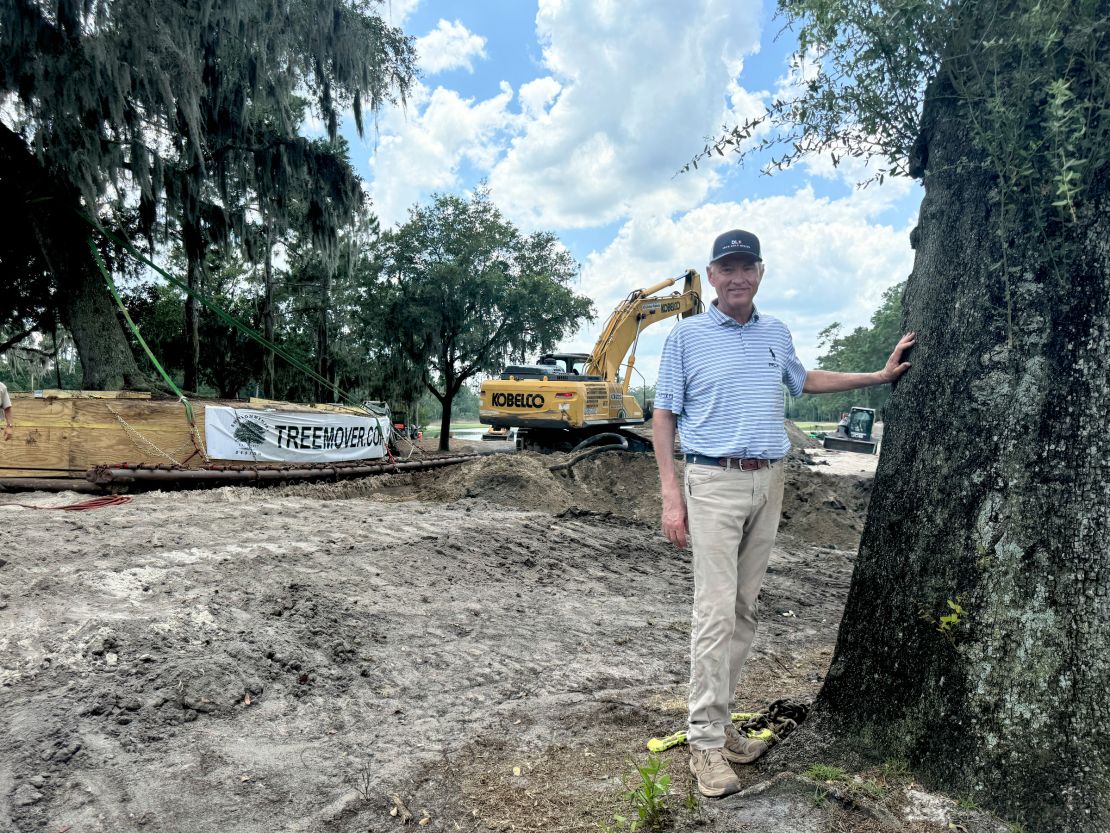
[(733, 517)]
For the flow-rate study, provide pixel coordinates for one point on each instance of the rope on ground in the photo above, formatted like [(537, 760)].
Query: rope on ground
[(781, 718), (95, 503), (771, 724), (394, 436)]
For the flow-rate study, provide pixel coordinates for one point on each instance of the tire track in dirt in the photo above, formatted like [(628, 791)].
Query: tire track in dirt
[(136, 637)]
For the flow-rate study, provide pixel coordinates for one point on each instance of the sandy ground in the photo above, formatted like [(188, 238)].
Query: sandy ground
[(481, 648)]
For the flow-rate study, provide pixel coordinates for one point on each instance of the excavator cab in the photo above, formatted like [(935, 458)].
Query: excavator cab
[(572, 363)]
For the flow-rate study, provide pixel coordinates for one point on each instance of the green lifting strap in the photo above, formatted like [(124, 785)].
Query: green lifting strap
[(135, 331), (224, 316)]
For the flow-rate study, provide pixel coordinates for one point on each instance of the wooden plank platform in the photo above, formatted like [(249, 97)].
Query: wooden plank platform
[(61, 434)]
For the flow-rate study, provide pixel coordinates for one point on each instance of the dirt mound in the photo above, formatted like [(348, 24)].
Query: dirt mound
[(625, 485), (798, 437), (825, 510), (818, 509), (522, 481)]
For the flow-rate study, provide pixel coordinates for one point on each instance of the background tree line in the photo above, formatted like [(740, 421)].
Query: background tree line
[(860, 351)]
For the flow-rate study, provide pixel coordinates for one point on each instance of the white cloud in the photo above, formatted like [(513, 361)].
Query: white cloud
[(421, 154), (642, 81), (536, 96), (449, 46), (625, 93), (630, 90), (827, 260), (397, 12)]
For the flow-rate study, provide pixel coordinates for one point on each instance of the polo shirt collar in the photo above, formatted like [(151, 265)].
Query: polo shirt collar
[(722, 320)]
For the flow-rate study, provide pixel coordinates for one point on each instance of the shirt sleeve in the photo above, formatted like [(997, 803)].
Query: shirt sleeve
[(5, 402), (670, 389), (793, 373)]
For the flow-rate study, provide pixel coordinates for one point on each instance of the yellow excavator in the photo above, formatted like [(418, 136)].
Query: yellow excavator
[(568, 400)]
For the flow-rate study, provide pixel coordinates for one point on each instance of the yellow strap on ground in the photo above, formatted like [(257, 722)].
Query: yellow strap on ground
[(679, 738)]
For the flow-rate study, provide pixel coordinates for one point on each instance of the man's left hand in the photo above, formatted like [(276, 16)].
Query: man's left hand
[(895, 366)]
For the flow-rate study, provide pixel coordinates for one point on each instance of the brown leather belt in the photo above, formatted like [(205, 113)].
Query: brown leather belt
[(742, 463)]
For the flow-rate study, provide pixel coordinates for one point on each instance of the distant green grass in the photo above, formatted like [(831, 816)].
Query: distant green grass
[(816, 426), (433, 430)]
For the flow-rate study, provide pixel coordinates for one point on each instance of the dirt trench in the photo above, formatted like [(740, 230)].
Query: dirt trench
[(478, 648)]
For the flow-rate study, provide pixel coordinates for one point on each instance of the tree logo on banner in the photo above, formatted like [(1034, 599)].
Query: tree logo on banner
[(250, 432)]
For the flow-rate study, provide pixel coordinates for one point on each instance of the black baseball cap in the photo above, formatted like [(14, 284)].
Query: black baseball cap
[(735, 242)]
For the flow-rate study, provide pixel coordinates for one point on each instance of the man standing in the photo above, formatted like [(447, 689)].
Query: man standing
[(6, 406), (720, 384)]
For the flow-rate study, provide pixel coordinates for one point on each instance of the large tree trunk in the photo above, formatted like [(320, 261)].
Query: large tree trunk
[(84, 303), (446, 401), (88, 312), (445, 424), (976, 638)]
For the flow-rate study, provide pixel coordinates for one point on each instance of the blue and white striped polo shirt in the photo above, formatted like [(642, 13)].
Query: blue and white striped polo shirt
[(724, 381)]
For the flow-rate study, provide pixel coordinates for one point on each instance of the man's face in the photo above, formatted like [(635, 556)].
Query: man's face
[(736, 279)]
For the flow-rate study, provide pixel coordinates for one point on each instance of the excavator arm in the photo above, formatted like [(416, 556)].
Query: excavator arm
[(639, 310)]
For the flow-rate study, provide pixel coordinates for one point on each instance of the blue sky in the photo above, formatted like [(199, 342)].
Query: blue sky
[(579, 113)]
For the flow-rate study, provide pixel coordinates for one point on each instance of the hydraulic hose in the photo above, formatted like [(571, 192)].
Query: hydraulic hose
[(601, 449)]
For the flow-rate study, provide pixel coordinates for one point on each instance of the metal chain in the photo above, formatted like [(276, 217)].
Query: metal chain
[(142, 442)]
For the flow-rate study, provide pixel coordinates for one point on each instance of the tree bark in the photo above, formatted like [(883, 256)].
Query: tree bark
[(324, 364), (84, 304), (448, 400), (194, 259), (268, 382), (88, 312), (975, 638)]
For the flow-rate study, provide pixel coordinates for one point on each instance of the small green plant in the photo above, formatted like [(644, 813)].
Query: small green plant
[(819, 798), (823, 772), (691, 803), (869, 789), (948, 623), (895, 769), (646, 792)]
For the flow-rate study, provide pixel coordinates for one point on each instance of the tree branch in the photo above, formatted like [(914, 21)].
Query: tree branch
[(472, 368), (14, 340)]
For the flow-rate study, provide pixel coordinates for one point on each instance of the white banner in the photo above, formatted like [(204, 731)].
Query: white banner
[(292, 436)]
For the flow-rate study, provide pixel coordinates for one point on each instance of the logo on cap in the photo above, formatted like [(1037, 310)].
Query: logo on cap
[(735, 241)]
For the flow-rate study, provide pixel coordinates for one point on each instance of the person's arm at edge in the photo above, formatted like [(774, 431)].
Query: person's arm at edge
[(663, 424), (831, 381)]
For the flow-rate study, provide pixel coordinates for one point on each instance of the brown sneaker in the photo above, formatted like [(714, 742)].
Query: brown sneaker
[(714, 776), (741, 750)]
